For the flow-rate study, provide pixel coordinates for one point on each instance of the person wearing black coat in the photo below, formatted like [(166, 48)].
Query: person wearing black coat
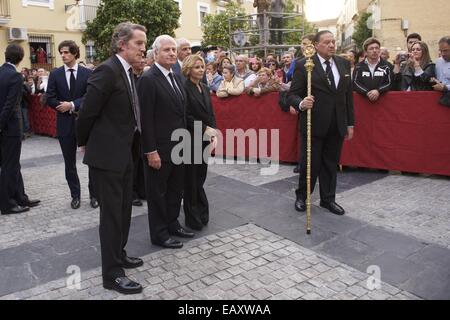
[(12, 192), (331, 104), (108, 123), (65, 93), (200, 121), (163, 113)]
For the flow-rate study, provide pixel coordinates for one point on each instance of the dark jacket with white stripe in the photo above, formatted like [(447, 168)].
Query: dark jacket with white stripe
[(364, 81)]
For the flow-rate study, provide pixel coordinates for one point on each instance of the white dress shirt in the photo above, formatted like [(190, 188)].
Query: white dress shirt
[(67, 74), (126, 66), (166, 72), (334, 69)]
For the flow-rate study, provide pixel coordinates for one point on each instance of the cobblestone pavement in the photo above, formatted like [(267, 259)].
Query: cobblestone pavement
[(243, 263), (255, 246), (417, 207)]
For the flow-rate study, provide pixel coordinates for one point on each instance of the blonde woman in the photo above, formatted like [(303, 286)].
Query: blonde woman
[(265, 82), (231, 85), (199, 110)]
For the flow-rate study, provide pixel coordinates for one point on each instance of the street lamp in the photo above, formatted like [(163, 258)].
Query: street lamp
[(67, 7)]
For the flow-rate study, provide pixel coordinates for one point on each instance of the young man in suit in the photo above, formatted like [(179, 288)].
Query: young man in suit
[(12, 194), (107, 125), (163, 101), (331, 104), (65, 93)]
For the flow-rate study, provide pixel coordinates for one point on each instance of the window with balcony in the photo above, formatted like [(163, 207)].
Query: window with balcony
[(90, 51), (40, 3), (5, 11), (203, 10), (41, 51), (180, 7)]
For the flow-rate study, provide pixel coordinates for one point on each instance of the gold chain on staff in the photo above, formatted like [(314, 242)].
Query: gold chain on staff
[(309, 65)]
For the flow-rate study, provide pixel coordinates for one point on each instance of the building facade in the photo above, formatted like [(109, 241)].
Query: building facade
[(193, 11), (398, 18), (347, 20), (40, 25), (393, 20)]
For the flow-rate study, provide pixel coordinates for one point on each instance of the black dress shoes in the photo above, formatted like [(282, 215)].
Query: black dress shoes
[(16, 209), (123, 285), (31, 203), (130, 262), (296, 169), (94, 203), (75, 204), (300, 205), (137, 203), (333, 207), (170, 244), (182, 233)]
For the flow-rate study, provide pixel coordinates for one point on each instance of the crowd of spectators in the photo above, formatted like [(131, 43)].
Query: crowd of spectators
[(373, 71)]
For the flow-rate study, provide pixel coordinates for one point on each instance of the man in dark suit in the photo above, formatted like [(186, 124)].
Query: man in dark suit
[(107, 125), (12, 194), (163, 100), (65, 93), (184, 49), (331, 105)]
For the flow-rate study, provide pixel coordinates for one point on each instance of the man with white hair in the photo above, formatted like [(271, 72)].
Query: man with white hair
[(184, 49), (162, 99), (242, 70)]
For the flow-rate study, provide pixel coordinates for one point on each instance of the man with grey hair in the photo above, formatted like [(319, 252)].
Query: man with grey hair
[(107, 126), (242, 70), (184, 49), (385, 55), (163, 101), (150, 58)]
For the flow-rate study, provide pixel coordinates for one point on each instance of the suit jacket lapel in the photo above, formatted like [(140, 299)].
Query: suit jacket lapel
[(198, 96), (341, 73), (125, 78), (62, 74), (168, 87), (80, 80)]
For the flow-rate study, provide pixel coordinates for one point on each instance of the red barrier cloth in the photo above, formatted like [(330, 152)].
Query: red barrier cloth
[(248, 112), (42, 119), (405, 131)]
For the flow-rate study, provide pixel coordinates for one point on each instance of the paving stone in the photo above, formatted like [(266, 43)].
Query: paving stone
[(261, 294)]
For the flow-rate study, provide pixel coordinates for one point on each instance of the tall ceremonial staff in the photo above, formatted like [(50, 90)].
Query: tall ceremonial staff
[(309, 65)]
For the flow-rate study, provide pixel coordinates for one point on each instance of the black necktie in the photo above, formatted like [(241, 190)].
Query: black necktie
[(329, 74), (72, 84), (175, 88), (136, 107)]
